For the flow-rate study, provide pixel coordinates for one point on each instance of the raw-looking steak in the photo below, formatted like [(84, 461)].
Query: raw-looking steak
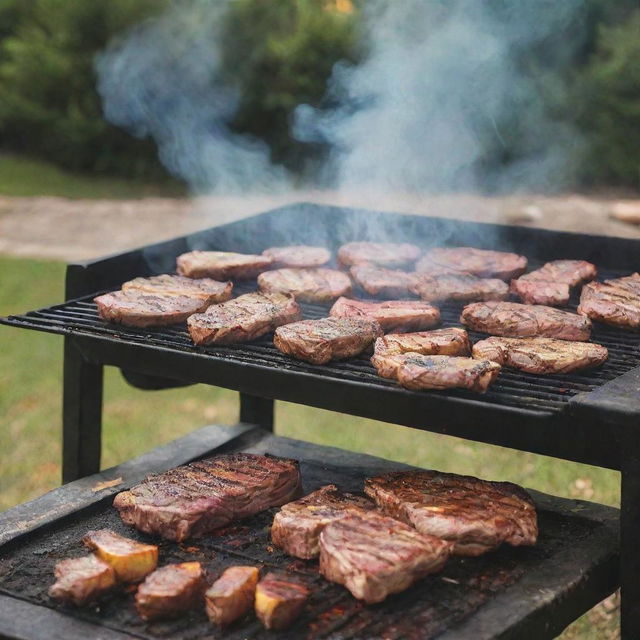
[(385, 283), (615, 302), (460, 287), (298, 256), (306, 285), (209, 290), (439, 342), (222, 265), (385, 254), (477, 262)]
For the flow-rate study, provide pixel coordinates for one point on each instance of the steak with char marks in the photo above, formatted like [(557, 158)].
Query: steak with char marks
[(280, 599), (222, 265), (439, 342), (460, 287), (385, 283), (307, 285), (209, 290), (477, 262), (615, 302), (385, 254)]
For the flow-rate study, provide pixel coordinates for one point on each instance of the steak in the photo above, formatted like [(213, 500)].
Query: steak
[(82, 580), (201, 496), (279, 600), (460, 287), (222, 265), (477, 262), (242, 319), (386, 254), (170, 591), (307, 285), (541, 355), (615, 302), (374, 556), (516, 320), (326, 339), (392, 315), (476, 515), (386, 283), (231, 595), (440, 342), (296, 527), (554, 294), (298, 256), (167, 285)]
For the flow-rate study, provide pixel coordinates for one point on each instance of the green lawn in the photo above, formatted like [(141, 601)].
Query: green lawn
[(135, 421)]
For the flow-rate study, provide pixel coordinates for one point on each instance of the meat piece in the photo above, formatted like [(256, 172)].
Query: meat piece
[(393, 315), (82, 580), (440, 342), (170, 591), (415, 371), (516, 320), (131, 560), (374, 556), (477, 262), (242, 319), (461, 287), (201, 496), (279, 600), (386, 254), (307, 285), (554, 294), (296, 527), (222, 265), (615, 302), (541, 355), (167, 285), (139, 309), (476, 515), (385, 283), (319, 341), (231, 595), (298, 256)]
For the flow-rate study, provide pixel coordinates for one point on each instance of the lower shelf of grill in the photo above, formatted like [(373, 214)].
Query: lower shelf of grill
[(512, 593)]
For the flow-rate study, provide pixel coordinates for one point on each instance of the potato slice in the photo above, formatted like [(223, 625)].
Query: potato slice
[(231, 595), (82, 580), (279, 600)]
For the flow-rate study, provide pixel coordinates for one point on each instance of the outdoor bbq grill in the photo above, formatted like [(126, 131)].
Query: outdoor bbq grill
[(588, 417)]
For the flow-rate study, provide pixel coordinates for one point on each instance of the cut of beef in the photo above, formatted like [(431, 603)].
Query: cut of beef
[(440, 342), (231, 595), (374, 556), (385, 283), (82, 580), (307, 285), (541, 355), (296, 527), (319, 341), (477, 262), (244, 318), (199, 497), (461, 287), (385, 254), (615, 302), (298, 256), (393, 315), (222, 265), (280, 599), (476, 515), (516, 320), (554, 294), (167, 285)]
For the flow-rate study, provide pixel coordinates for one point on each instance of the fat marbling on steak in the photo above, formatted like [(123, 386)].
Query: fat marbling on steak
[(169, 285), (461, 287), (541, 355), (615, 302), (297, 526), (326, 339), (515, 320), (201, 496), (385, 254), (242, 319), (475, 515), (392, 315), (306, 285), (374, 556), (82, 580), (222, 265), (385, 283), (478, 262), (439, 342), (298, 256)]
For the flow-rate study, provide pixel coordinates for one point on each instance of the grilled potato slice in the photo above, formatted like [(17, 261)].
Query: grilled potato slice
[(231, 595), (82, 580), (279, 601)]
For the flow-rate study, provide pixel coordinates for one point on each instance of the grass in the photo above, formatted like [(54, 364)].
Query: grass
[(135, 421)]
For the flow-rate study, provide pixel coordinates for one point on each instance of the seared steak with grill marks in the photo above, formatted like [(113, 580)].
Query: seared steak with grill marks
[(477, 262), (462, 287), (554, 294), (298, 256), (244, 318), (541, 355), (82, 580), (374, 556), (476, 515), (296, 527), (222, 265), (167, 285), (615, 302), (440, 342), (231, 595), (279, 600), (319, 341), (386, 254), (393, 315), (306, 285), (386, 283), (199, 497), (516, 320)]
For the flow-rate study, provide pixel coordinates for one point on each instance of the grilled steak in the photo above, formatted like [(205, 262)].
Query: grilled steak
[(462, 287), (386, 254), (541, 355), (296, 527), (415, 371), (242, 319), (131, 560), (386, 283), (306, 285), (140, 309), (516, 320), (82, 580), (477, 262), (279, 600), (319, 341), (440, 342), (170, 591), (199, 497), (231, 595), (393, 315), (298, 256), (166, 285), (374, 556), (615, 302), (554, 294), (476, 515), (222, 265)]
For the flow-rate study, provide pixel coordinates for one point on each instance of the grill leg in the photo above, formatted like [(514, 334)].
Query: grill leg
[(81, 415), (255, 410)]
